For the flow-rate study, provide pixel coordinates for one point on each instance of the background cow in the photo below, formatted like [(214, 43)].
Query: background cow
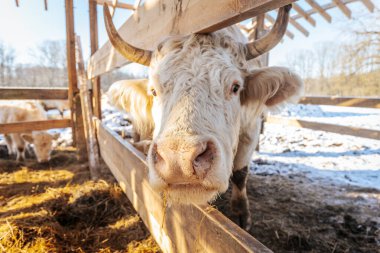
[(202, 104), (12, 112)]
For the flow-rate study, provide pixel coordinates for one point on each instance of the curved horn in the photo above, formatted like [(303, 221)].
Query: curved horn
[(128, 51), (269, 41)]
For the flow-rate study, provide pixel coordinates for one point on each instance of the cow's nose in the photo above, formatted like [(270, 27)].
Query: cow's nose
[(179, 163)]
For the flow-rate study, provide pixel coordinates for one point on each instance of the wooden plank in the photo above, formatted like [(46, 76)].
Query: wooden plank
[(96, 86), (319, 9), (176, 228), (368, 3), (343, 8), (272, 21), (92, 145), (117, 5), (74, 98), (27, 126), (342, 101), (307, 17), (299, 27), (33, 93), (143, 30), (347, 130)]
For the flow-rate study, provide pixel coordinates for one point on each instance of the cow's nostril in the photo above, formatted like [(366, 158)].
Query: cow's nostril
[(203, 162)]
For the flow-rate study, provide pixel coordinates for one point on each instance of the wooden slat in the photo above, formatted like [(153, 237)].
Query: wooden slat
[(298, 27), (343, 8), (143, 30), (272, 21), (319, 9), (117, 5), (186, 228), (347, 130), (368, 3), (92, 145), (342, 101), (94, 43), (33, 93), (307, 17), (27, 126)]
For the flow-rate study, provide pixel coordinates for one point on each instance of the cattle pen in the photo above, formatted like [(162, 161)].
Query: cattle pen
[(175, 228)]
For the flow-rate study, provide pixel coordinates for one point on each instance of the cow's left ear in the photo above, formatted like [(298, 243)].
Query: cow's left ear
[(272, 86), (27, 137)]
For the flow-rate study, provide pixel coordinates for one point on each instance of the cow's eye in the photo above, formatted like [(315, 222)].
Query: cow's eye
[(235, 87), (153, 92)]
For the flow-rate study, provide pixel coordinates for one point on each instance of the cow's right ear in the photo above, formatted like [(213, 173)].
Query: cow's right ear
[(272, 86), (27, 137)]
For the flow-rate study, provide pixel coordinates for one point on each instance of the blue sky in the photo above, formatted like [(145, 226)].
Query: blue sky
[(26, 26)]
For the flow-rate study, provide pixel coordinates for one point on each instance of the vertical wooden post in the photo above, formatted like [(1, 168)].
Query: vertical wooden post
[(74, 98), (96, 91), (85, 96)]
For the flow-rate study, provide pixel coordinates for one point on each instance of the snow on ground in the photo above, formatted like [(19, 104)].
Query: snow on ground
[(329, 157)]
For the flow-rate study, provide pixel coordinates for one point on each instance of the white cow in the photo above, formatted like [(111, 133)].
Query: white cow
[(200, 108), (12, 112)]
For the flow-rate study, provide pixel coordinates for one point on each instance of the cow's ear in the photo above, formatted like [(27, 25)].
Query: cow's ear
[(272, 86), (27, 137)]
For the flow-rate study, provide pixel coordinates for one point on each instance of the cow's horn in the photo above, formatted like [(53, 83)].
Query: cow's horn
[(266, 43), (128, 51)]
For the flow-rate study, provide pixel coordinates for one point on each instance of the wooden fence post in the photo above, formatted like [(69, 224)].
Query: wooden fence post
[(74, 98), (85, 97)]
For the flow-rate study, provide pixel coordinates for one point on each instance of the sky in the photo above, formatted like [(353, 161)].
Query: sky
[(29, 24)]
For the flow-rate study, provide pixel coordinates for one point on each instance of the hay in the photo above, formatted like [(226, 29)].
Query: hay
[(56, 208)]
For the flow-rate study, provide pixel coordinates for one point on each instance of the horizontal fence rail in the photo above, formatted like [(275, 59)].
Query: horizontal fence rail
[(143, 30), (33, 93), (342, 101), (175, 228), (27, 126), (348, 130)]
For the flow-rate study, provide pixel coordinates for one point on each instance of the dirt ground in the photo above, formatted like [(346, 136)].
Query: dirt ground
[(295, 214), (55, 207)]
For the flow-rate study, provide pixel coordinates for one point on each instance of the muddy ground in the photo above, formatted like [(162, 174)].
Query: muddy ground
[(55, 207), (295, 214)]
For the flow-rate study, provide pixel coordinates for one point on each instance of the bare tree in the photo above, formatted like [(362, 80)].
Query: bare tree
[(7, 59)]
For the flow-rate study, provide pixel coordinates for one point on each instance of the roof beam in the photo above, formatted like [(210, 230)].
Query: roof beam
[(272, 20), (118, 5), (343, 8), (319, 9), (370, 6), (298, 26), (307, 17)]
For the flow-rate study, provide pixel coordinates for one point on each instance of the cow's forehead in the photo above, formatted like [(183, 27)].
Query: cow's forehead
[(197, 58)]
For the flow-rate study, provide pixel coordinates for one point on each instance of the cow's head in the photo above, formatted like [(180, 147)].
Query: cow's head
[(199, 84), (42, 144)]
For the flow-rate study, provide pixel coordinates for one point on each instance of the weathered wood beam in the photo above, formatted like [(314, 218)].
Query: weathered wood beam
[(27, 126), (299, 27), (94, 43), (368, 3), (307, 17), (343, 8), (176, 228), (342, 101), (33, 93), (347, 130), (89, 131), (46, 4), (143, 30), (272, 21), (319, 9), (118, 5), (17, 3), (74, 98)]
